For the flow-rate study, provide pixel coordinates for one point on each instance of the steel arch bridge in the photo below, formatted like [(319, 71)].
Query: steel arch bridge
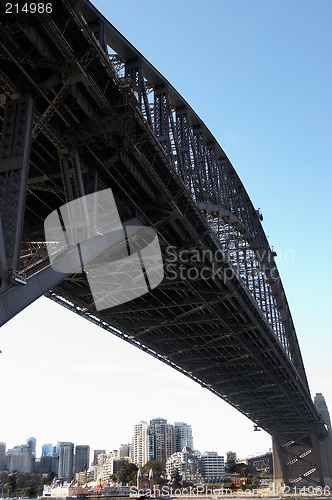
[(82, 111)]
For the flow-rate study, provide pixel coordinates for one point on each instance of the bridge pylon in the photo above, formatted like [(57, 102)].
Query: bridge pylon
[(302, 460)]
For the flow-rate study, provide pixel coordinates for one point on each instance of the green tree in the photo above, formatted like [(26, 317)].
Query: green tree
[(20, 484), (176, 479), (128, 474), (242, 469), (6, 488), (11, 483), (255, 482), (158, 469)]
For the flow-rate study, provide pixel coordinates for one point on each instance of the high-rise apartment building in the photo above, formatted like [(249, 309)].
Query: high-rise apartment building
[(183, 436), (2, 456), (139, 446), (82, 458), (160, 440), (66, 460), (170, 441)]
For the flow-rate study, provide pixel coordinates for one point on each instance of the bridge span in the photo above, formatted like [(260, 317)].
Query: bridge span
[(82, 111)]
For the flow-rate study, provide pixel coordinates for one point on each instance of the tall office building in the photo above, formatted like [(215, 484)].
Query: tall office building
[(95, 455), (124, 450), (45, 464), (46, 459), (82, 458), (19, 459), (47, 450), (321, 407), (139, 445), (160, 440), (55, 460), (32, 443), (66, 460), (183, 436), (2, 456)]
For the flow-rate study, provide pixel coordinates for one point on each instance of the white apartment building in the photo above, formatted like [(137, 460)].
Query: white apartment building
[(185, 464), (139, 447)]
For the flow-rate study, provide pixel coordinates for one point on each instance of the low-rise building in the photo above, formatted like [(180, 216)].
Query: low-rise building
[(262, 463), (212, 467)]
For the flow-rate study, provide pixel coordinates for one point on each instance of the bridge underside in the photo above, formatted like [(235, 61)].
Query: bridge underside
[(70, 126)]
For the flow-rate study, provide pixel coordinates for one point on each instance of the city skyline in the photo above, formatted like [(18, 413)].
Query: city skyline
[(183, 437), (156, 441), (258, 76), (68, 461), (65, 461)]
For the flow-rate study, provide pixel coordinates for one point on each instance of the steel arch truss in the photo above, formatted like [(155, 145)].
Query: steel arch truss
[(219, 193)]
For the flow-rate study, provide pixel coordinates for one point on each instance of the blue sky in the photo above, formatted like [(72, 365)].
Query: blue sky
[(259, 75)]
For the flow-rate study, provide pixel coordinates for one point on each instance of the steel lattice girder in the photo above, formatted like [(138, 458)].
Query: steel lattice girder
[(14, 168)]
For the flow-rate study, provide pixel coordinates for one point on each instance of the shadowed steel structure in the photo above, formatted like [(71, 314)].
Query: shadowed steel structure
[(81, 111)]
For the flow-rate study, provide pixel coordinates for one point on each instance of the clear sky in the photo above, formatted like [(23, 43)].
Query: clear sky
[(258, 73)]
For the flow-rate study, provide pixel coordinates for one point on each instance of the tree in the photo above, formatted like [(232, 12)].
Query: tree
[(19, 484), (242, 469), (158, 469), (176, 479), (128, 474), (114, 478), (11, 484)]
